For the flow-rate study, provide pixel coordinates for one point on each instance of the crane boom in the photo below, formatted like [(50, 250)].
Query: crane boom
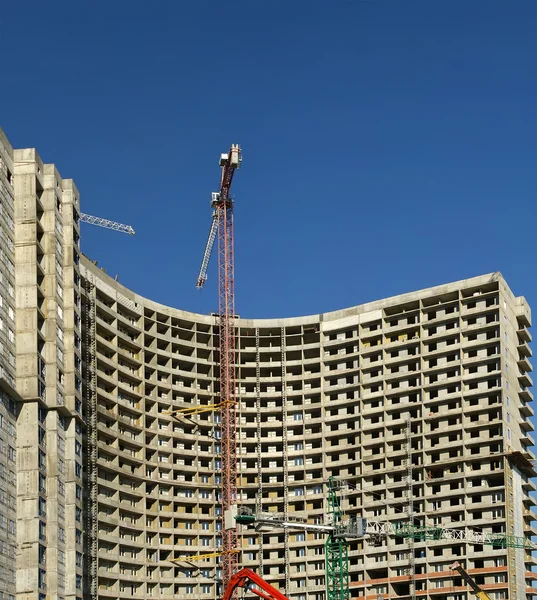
[(251, 519), (423, 533), (187, 557), (244, 579), (202, 277), (476, 590), (356, 528), (106, 224)]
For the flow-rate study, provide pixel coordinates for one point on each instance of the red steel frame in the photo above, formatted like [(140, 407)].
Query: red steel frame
[(228, 400)]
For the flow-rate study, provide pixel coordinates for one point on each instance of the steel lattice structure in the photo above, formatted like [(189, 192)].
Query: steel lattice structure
[(336, 550), (223, 217), (106, 223), (202, 277), (423, 533)]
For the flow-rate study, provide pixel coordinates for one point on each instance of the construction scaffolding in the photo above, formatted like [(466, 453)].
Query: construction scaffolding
[(92, 514), (285, 455), (411, 550), (259, 420)]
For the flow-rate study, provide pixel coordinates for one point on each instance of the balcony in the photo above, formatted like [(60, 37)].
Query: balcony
[(526, 425), (524, 334), (525, 380), (526, 396)]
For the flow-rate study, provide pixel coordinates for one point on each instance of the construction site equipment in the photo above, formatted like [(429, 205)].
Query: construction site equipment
[(100, 222), (411, 568), (286, 546), (259, 436), (202, 277), (350, 529), (423, 533), (339, 533), (191, 410), (336, 550), (222, 224), (359, 528), (92, 515), (187, 558), (473, 585), (246, 578)]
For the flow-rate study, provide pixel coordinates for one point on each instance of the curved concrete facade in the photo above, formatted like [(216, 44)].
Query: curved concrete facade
[(431, 384)]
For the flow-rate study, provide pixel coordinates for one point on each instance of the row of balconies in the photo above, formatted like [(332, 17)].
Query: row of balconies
[(175, 501), (187, 328), (308, 566), (130, 403), (437, 390), (372, 434), (274, 359), (490, 558), (409, 324), (427, 552), (407, 351), (437, 513), (343, 430)]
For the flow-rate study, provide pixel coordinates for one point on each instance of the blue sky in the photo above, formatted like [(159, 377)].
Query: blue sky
[(389, 145)]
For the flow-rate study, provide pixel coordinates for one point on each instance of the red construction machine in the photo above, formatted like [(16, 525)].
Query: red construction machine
[(246, 578)]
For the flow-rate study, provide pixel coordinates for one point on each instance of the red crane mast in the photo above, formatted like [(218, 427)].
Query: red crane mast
[(222, 224)]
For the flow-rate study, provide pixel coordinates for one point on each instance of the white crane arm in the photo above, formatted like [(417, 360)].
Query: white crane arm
[(202, 277), (106, 224), (352, 529), (293, 525)]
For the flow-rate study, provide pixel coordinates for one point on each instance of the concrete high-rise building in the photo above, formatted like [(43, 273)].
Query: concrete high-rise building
[(419, 404), (8, 394), (437, 379), (41, 379)]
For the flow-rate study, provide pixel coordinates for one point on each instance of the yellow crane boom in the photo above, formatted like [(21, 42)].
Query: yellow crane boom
[(473, 585)]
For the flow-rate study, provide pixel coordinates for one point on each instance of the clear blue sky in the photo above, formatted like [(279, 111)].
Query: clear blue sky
[(389, 145)]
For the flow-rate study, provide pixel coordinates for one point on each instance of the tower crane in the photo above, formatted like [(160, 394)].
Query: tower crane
[(377, 530), (339, 533), (222, 227)]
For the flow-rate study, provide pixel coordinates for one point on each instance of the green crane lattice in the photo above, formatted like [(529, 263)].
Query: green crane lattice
[(336, 551)]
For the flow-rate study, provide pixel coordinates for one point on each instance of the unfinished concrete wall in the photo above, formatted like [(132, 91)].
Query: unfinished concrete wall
[(49, 381), (433, 383), (8, 396), (426, 378)]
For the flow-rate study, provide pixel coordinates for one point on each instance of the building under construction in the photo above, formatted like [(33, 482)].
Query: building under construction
[(418, 406)]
